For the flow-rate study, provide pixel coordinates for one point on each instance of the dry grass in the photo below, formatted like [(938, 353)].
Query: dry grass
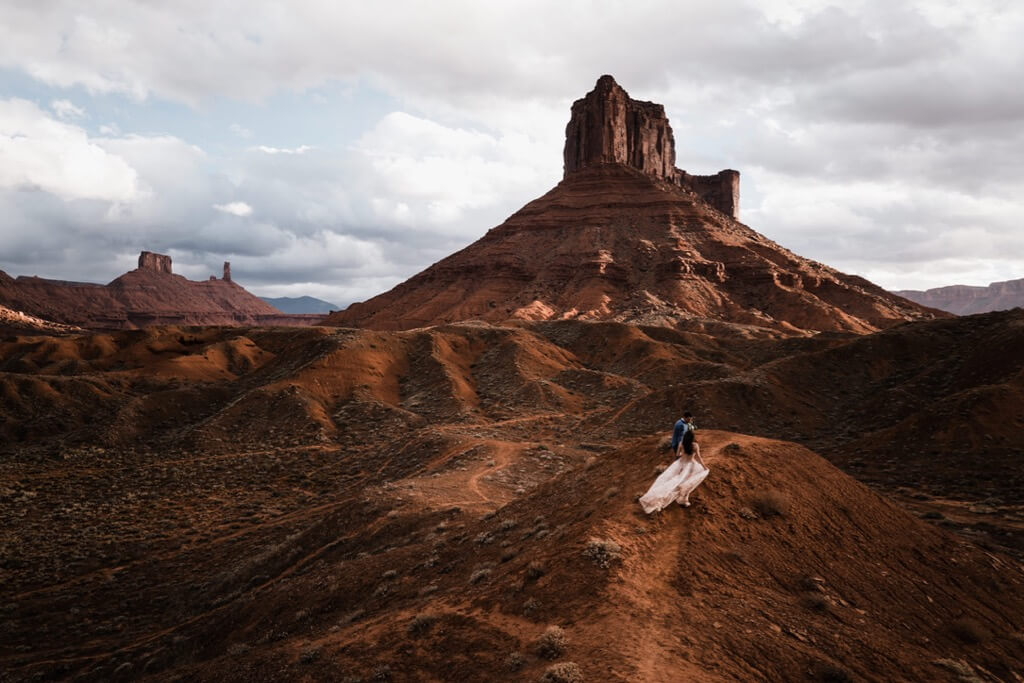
[(563, 672), (603, 552)]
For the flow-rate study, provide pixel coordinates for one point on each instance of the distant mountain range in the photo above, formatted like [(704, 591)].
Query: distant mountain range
[(301, 304), (967, 299)]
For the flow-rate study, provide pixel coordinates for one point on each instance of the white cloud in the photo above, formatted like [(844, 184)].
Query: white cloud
[(39, 152), (234, 208), (870, 134), (64, 109), (301, 149)]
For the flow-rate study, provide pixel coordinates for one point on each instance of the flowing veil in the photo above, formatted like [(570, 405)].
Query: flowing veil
[(676, 483)]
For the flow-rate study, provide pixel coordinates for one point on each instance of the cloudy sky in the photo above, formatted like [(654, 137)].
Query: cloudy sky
[(336, 148)]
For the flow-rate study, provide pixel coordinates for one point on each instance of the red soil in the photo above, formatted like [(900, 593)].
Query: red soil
[(316, 504)]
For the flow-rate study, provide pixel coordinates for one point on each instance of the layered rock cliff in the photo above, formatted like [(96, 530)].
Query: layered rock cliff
[(968, 300), (607, 126), (626, 236)]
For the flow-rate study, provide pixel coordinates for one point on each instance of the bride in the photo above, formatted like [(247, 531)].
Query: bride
[(679, 480)]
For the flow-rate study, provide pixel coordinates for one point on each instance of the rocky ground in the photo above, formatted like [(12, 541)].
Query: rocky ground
[(459, 503)]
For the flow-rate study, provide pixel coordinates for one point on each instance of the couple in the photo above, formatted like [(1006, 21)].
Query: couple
[(679, 480)]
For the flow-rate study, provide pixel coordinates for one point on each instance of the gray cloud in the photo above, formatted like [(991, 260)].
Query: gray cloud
[(870, 136)]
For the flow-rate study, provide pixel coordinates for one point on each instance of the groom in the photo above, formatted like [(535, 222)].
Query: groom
[(679, 430)]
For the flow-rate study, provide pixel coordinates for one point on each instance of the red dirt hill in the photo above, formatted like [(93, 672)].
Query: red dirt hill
[(323, 504), (628, 237)]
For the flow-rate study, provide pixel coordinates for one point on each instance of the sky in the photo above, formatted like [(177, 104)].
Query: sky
[(334, 148)]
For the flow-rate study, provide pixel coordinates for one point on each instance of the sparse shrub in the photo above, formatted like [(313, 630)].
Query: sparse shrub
[(530, 607), (515, 661), (611, 492), (479, 575), (563, 672), (509, 555), (236, 649), (352, 617), (507, 524), (427, 590), (535, 570), (771, 502), (832, 673), (551, 643), (420, 624), (603, 552), (731, 449), (815, 601), (381, 673), (747, 513), (309, 655), (970, 631), (484, 538), (389, 575), (541, 533)]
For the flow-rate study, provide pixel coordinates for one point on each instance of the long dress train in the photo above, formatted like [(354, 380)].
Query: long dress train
[(676, 483)]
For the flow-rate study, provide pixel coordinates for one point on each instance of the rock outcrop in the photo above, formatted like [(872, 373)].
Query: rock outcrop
[(968, 300), (607, 126), (149, 295), (625, 236), (161, 263)]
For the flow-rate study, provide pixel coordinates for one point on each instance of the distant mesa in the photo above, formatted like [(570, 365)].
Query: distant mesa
[(968, 300), (149, 295), (627, 236), (301, 304)]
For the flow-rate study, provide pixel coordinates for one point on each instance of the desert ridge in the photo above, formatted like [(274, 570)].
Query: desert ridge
[(258, 504)]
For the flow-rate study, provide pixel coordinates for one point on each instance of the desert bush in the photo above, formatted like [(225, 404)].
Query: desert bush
[(535, 570), (771, 502), (389, 575), (509, 555), (484, 538), (530, 607), (479, 575), (832, 673), (551, 643), (238, 649), (563, 672), (611, 492), (970, 631), (603, 552), (814, 601), (309, 655), (515, 661), (731, 448), (420, 624), (507, 524)]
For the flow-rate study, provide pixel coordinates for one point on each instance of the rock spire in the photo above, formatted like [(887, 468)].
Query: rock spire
[(607, 126)]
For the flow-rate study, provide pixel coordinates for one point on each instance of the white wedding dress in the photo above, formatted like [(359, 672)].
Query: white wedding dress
[(676, 483)]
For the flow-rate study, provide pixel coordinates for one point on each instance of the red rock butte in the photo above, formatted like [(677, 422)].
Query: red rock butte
[(627, 236), (149, 295)]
